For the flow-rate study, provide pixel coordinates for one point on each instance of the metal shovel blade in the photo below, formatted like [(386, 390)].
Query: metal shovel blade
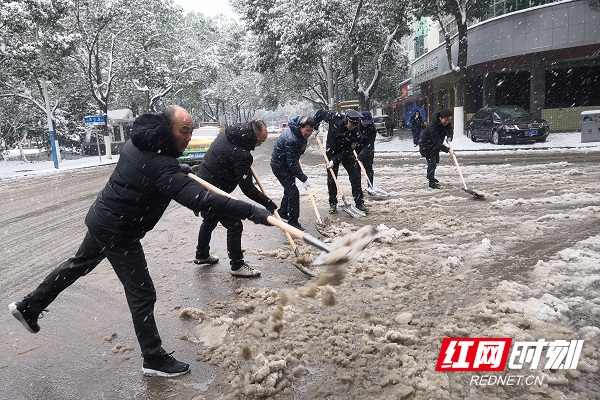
[(347, 248), (352, 210), (376, 191), (478, 196)]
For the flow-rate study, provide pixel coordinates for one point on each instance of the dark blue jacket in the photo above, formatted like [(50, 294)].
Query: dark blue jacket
[(340, 141), (432, 138), (288, 149), (147, 177)]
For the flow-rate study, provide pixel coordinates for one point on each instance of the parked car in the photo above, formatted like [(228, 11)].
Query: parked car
[(283, 126), (379, 123), (273, 129), (202, 138), (503, 124)]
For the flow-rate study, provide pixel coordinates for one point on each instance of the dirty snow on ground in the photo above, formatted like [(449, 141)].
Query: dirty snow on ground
[(522, 264), (443, 266)]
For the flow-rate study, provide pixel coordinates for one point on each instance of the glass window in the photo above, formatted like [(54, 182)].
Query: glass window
[(511, 113)]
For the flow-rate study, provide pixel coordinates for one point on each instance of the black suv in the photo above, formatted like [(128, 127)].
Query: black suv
[(503, 124)]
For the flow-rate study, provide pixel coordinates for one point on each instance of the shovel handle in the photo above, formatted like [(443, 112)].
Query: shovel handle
[(337, 184), (362, 167), (277, 216), (314, 204), (457, 166), (210, 187)]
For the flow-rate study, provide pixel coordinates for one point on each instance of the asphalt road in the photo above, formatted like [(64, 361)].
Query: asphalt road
[(74, 357)]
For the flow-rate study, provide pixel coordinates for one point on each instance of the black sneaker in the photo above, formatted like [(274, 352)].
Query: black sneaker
[(21, 311), (283, 215), (435, 180), (296, 225), (362, 208), (332, 208), (207, 260), (434, 185), (165, 365)]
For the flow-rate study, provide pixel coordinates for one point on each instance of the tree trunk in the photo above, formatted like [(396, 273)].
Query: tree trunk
[(20, 144)]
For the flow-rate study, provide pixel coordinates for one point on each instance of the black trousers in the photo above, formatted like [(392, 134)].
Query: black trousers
[(129, 263), (432, 163), (416, 137), (234, 228), (353, 174), (290, 202), (366, 158)]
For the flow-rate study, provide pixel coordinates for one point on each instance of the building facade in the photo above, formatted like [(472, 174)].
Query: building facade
[(542, 57)]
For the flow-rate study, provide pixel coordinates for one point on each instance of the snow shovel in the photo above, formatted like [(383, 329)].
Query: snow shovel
[(465, 188), (346, 248), (373, 190), (276, 213), (349, 208)]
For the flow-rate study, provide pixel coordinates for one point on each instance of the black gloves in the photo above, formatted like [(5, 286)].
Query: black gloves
[(259, 216), (271, 207), (186, 168)]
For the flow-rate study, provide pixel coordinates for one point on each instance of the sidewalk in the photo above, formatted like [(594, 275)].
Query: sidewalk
[(556, 142), (15, 169)]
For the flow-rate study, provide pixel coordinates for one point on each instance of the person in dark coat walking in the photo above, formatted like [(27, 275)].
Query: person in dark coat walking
[(389, 126), (366, 144), (226, 165), (416, 125), (432, 142), (147, 177), (342, 137), (285, 163)]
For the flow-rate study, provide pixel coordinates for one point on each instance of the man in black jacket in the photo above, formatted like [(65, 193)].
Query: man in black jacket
[(285, 163), (342, 137), (226, 165), (366, 144), (147, 177), (432, 142)]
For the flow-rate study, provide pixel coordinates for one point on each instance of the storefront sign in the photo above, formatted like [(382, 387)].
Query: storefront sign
[(426, 68)]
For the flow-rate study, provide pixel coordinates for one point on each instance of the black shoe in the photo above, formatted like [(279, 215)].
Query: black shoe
[(283, 215), (434, 185), (165, 365), (296, 225), (207, 260), (332, 208), (21, 311), (362, 208), (435, 180)]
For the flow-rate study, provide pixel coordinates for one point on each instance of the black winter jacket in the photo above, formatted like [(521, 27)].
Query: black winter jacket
[(288, 149), (366, 144), (432, 138), (340, 141), (146, 178), (227, 162), (417, 124)]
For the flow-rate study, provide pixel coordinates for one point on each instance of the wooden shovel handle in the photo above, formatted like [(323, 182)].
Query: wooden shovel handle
[(362, 167), (297, 233), (337, 184), (457, 166), (277, 216)]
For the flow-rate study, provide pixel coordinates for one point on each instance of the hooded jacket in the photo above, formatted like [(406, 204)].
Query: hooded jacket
[(288, 149), (147, 177), (432, 138), (227, 162), (340, 141)]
